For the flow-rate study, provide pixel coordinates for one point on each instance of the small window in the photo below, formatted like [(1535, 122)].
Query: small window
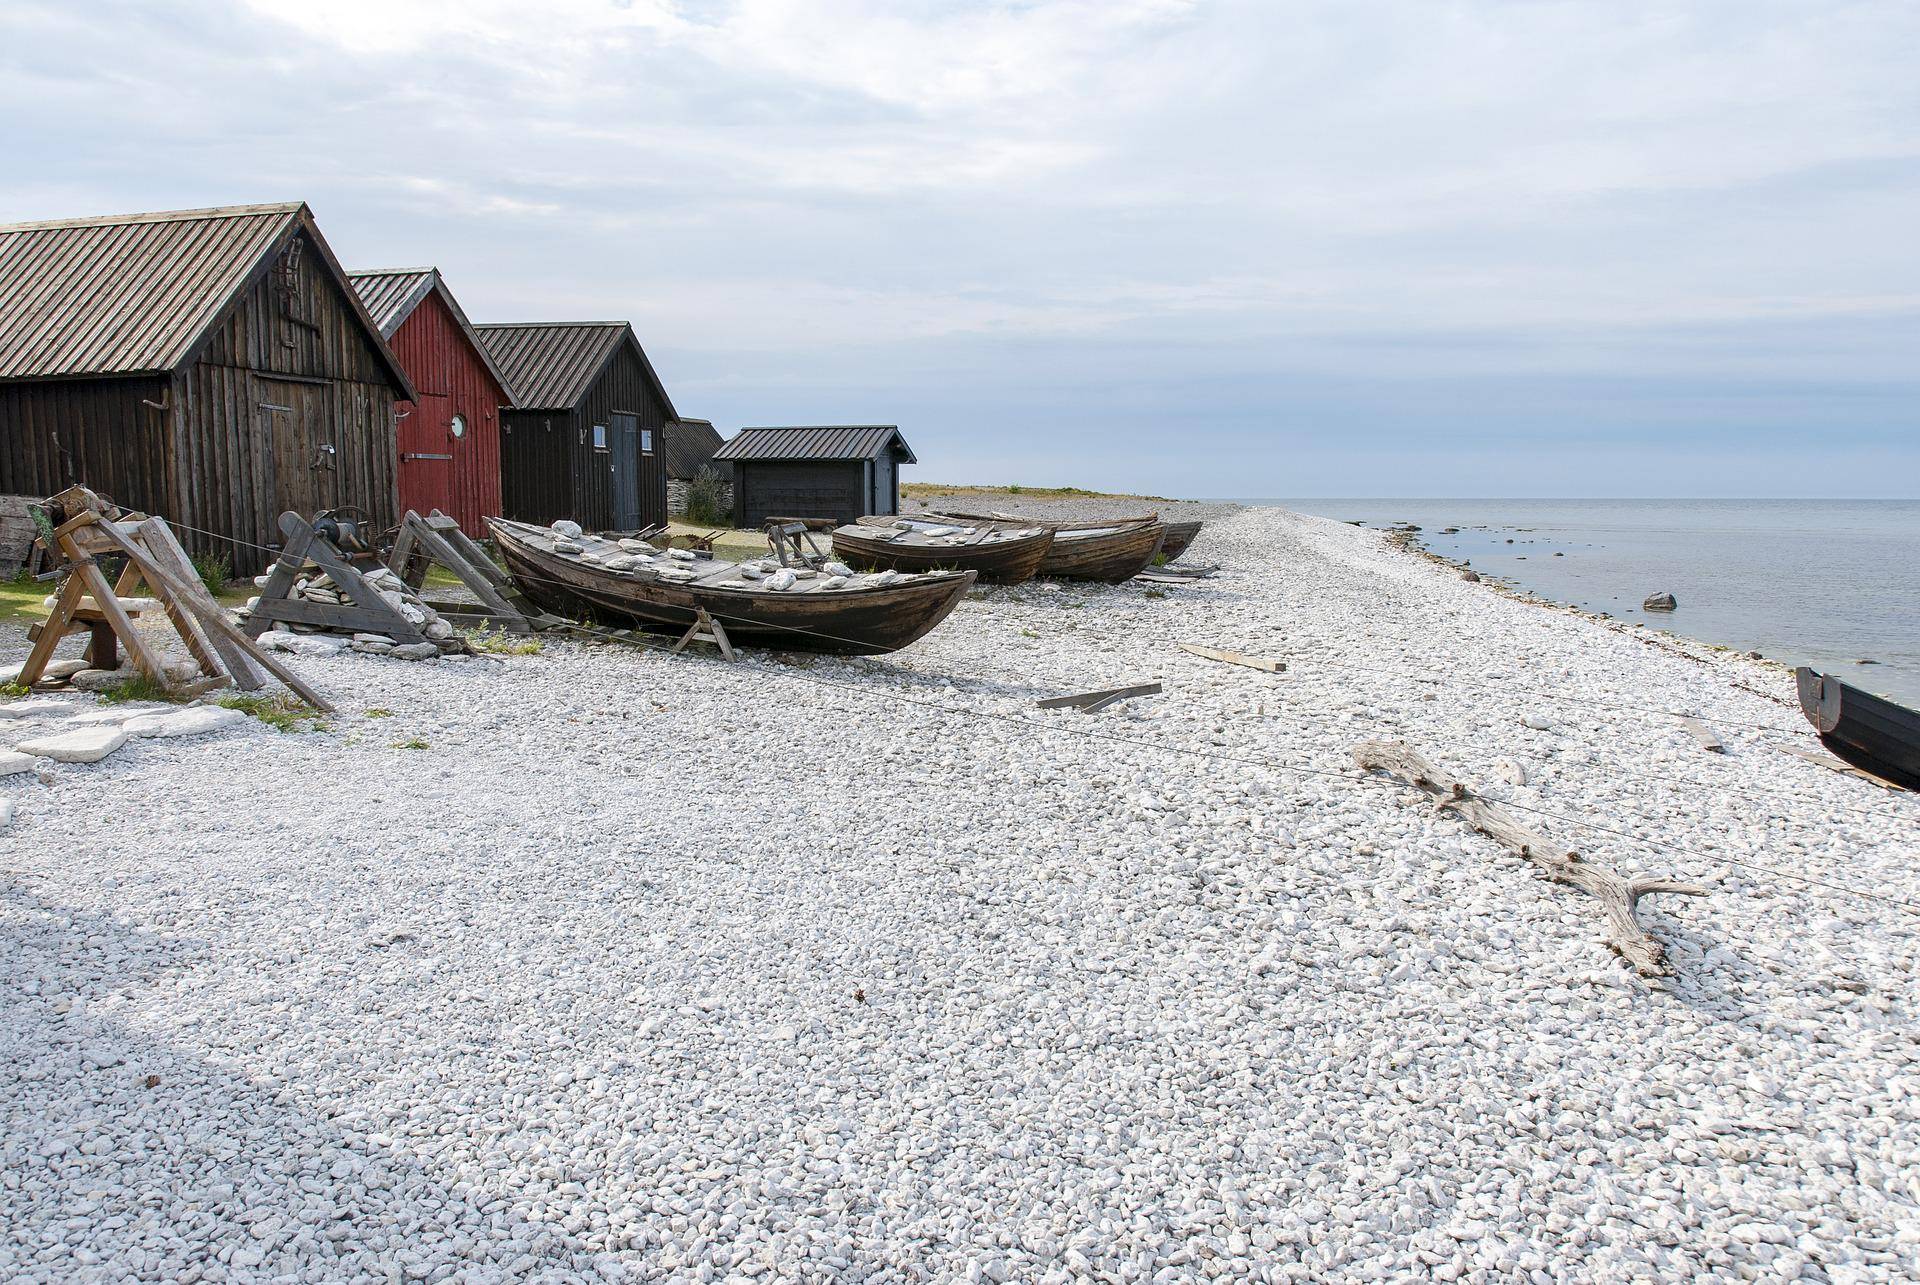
[(458, 427), (646, 441), (599, 437)]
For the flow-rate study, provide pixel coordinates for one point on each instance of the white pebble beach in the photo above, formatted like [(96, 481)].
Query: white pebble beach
[(646, 967)]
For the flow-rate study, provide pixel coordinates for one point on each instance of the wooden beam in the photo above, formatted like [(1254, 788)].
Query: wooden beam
[(164, 581), (1832, 763), (1703, 734), (1102, 698), (1236, 658)]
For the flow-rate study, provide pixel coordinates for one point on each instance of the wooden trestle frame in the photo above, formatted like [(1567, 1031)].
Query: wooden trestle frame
[(86, 601)]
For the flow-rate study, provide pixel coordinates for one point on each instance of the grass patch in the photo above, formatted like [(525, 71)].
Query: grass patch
[(1156, 593), (20, 600), (1029, 633), (214, 570), (281, 713), (379, 713), (12, 691), (138, 686), (498, 642), (411, 743), (930, 490)]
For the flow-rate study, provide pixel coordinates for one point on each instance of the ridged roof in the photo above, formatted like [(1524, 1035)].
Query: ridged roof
[(136, 293), (687, 445), (125, 295), (549, 365), (815, 442), (391, 295)]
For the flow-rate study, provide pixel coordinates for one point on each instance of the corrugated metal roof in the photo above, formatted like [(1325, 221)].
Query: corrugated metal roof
[(549, 365), (815, 442), (687, 446), (126, 294), (391, 295)]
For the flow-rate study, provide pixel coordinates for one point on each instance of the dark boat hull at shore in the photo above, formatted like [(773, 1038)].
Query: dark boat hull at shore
[(856, 620), (999, 561), (1110, 555), (1868, 731), (1180, 535)]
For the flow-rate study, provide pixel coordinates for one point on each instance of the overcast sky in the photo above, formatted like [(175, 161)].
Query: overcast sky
[(1338, 247)]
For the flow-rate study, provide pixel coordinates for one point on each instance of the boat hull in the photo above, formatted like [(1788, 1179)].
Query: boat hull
[(1002, 562), (1111, 558), (1180, 535), (854, 622), (1868, 731)]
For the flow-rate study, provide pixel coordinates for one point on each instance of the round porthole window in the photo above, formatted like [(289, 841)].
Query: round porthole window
[(459, 426)]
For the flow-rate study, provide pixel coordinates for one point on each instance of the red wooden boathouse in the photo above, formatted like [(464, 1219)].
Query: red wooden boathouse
[(450, 438)]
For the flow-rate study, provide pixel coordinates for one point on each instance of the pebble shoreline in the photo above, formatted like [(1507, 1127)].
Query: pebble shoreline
[(655, 968)]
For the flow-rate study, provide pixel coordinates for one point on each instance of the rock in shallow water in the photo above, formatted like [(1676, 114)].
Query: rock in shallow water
[(1659, 602)]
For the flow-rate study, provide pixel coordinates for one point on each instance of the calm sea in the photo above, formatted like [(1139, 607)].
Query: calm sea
[(1826, 583)]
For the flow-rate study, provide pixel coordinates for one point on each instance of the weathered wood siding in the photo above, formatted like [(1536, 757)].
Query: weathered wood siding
[(798, 489), (293, 340), (452, 380), (551, 470), (101, 432)]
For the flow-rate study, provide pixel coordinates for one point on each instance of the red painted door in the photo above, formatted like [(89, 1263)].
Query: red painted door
[(427, 445)]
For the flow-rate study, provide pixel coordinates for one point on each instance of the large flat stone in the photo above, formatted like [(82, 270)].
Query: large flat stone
[(12, 761), (86, 745), (23, 709), (184, 722)]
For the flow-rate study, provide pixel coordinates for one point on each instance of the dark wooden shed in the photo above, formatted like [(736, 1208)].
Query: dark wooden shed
[(213, 367), (582, 439), (449, 439), (838, 471)]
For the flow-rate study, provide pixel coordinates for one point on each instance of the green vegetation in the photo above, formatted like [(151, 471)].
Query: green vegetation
[(214, 570), (12, 691), (379, 713), (137, 686), (936, 490), (411, 743), (20, 600), (282, 713), (498, 642), (707, 498)]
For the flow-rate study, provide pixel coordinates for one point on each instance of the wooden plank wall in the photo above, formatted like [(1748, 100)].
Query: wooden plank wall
[(549, 469), (102, 432), (451, 380), (224, 440)]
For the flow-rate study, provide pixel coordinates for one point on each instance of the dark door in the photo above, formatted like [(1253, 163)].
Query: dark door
[(301, 456), (624, 440)]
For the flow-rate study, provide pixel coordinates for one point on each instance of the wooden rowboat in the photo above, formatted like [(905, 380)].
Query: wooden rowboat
[(1081, 551), (1868, 731), (1179, 536), (860, 615), (999, 556)]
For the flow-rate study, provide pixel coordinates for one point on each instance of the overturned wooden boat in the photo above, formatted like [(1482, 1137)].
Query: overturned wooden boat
[(795, 609), (998, 554), (1112, 552), (1868, 731)]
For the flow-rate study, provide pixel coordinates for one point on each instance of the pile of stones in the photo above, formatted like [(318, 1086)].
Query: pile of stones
[(316, 640)]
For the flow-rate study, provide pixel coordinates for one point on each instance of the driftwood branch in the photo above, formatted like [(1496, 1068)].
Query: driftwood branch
[(1617, 894)]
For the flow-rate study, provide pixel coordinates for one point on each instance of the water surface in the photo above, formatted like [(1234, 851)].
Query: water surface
[(1826, 583)]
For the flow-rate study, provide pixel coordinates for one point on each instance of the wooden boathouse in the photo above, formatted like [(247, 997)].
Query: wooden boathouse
[(449, 439), (838, 471), (213, 367), (690, 444), (583, 437)]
